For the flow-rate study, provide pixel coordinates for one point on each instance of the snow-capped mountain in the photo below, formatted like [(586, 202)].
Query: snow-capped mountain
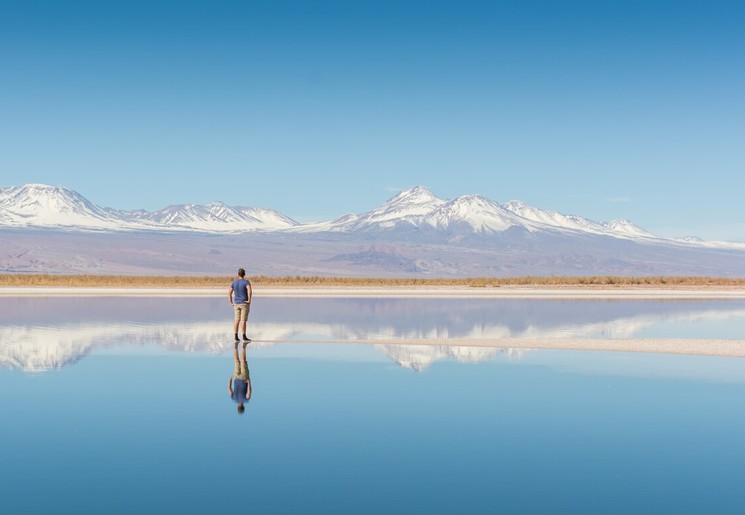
[(412, 233), (554, 218), (406, 209), (619, 228), (418, 209), (477, 214), (39, 205), (627, 228), (216, 217)]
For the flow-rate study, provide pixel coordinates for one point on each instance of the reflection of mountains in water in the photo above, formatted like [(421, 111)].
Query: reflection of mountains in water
[(34, 348), (45, 348), (413, 316), (419, 357)]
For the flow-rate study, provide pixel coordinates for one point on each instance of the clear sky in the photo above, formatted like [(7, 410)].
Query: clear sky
[(605, 109)]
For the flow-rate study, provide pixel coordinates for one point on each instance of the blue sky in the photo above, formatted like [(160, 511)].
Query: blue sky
[(606, 109)]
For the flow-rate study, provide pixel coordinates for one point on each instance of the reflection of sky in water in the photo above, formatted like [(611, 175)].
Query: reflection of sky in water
[(342, 429)]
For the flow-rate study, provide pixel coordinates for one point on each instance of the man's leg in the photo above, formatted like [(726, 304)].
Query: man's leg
[(244, 322), (237, 316)]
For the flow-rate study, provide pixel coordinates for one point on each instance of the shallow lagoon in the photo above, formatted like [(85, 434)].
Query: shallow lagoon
[(121, 404)]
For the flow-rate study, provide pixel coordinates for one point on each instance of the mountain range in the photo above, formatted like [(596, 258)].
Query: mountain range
[(412, 233), (39, 205)]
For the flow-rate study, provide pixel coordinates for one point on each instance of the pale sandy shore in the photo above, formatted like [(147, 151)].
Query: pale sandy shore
[(504, 292)]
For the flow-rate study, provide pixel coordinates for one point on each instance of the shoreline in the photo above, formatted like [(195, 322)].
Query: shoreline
[(502, 292)]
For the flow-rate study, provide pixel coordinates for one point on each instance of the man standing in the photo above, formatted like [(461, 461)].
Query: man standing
[(240, 297)]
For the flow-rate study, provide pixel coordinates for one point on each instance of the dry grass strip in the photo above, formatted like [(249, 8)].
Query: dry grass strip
[(183, 281)]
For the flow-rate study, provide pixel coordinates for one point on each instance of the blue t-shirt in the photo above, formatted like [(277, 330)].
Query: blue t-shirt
[(240, 291), (240, 388)]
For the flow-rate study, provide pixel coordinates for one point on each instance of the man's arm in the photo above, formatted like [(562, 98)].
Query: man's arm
[(230, 386), (250, 293), (230, 294), (248, 389)]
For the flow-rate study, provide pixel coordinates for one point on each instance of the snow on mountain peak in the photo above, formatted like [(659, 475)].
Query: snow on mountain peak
[(43, 192), (627, 228), (418, 195), (616, 228), (553, 218), (218, 216), (480, 213), (407, 207), (412, 202), (40, 204)]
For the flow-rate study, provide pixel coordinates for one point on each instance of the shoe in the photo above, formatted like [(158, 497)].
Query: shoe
[(246, 339), (236, 340)]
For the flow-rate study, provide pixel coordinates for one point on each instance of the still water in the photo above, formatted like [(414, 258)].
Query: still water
[(118, 405)]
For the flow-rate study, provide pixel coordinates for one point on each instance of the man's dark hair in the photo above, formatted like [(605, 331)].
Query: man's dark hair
[(241, 408), (241, 272)]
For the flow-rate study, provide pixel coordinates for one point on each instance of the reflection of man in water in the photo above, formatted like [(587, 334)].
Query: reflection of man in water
[(239, 295), (239, 384)]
